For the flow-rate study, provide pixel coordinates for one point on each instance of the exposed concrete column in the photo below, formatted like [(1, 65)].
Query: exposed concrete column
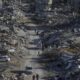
[(0, 3), (50, 4)]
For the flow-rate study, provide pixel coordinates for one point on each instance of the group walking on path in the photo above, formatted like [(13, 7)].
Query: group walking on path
[(35, 77)]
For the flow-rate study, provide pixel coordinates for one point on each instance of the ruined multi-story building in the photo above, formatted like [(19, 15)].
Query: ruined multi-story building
[(42, 6), (75, 4)]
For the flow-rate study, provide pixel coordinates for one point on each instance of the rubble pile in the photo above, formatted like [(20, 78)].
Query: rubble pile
[(61, 52), (13, 47)]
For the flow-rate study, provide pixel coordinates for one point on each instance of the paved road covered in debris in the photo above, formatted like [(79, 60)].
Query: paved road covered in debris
[(34, 51)]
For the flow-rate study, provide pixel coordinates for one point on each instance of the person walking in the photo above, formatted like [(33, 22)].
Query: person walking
[(37, 33), (33, 77), (35, 30), (37, 76)]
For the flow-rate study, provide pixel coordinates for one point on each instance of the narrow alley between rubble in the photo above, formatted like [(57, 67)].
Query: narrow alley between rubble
[(39, 39), (34, 51)]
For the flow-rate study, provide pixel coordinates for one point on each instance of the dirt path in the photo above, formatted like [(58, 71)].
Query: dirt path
[(33, 54)]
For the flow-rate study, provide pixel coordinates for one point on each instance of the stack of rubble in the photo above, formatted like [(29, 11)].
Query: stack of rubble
[(13, 44), (66, 62)]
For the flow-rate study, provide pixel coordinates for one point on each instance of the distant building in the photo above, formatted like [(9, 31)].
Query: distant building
[(75, 4), (42, 6)]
